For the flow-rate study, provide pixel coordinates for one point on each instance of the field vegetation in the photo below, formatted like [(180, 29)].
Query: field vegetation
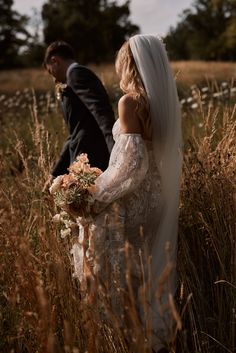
[(41, 309)]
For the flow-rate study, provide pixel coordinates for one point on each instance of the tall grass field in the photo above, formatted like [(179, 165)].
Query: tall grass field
[(41, 307)]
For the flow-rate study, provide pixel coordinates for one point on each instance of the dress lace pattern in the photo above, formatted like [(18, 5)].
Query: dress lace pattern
[(127, 202)]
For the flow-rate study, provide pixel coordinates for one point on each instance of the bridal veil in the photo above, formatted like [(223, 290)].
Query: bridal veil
[(153, 66)]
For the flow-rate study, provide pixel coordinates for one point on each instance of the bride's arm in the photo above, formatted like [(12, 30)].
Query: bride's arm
[(129, 159)]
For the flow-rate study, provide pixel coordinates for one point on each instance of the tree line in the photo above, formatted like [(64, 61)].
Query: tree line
[(97, 28), (207, 31)]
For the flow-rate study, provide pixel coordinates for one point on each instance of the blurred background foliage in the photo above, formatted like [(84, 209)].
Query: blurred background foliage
[(207, 31), (97, 28)]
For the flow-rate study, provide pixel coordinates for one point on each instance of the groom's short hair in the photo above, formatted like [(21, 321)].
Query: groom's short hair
[(59, 48)]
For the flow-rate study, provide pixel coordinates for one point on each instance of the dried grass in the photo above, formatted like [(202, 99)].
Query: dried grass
[(42, 309)]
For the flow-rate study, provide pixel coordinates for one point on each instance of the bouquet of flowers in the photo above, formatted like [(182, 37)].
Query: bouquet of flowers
[(72, 192)]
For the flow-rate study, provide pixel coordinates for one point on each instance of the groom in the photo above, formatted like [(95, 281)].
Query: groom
[(85, 106)]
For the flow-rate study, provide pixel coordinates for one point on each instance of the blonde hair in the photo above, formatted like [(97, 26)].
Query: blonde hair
[(131, 83)]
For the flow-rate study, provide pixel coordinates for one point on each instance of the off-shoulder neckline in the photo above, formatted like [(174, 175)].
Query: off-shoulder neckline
[(131, 133), (134, 134)]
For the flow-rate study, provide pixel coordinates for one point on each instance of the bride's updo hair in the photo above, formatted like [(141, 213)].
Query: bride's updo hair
[(131, 83)]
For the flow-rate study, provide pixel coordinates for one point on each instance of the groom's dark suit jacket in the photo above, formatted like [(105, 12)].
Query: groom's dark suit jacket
[(89, 117)]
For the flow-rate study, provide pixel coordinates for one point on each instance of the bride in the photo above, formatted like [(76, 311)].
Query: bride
[(133, 236)]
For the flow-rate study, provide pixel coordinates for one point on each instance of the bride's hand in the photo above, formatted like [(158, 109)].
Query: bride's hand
[(97, 208)]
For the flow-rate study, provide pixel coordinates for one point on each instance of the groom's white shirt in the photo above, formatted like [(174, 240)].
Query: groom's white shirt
[(70, 67)]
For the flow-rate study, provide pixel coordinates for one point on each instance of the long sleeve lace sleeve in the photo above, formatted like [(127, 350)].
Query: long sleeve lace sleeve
[(127, 168)]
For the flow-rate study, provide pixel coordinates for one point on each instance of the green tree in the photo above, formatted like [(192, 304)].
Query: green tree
[(13, 34), (95, 28), (207, 32), (176, 40)]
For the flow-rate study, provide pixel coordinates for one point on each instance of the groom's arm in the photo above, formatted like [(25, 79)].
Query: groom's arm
[(92, 93), (64, 160)]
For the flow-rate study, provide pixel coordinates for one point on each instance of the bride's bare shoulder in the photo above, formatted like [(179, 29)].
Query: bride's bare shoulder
[(128, 101), (127, 110)]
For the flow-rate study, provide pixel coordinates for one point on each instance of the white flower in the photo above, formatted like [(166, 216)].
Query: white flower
[(217, 94), (64, 215), (194, 106), (68, 223), (56, 184), (224, 84), (65, 232), (56, 218), (233, 90)]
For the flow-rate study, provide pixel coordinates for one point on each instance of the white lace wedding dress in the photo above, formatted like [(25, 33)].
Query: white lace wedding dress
[(120, 239)]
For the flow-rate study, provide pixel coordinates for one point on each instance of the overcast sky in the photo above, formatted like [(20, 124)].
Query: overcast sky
[(153, 16)]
